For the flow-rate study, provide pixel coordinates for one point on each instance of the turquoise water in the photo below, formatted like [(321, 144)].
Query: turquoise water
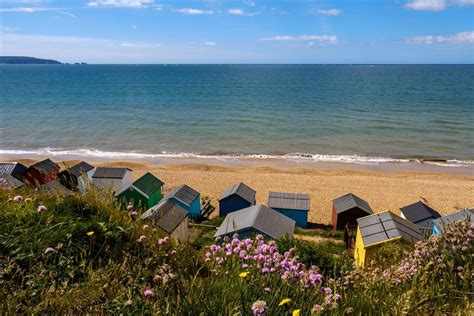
[(359, 112)]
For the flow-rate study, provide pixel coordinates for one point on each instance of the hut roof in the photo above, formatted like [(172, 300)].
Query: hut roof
[(46, 166), (289, 201), (261, 217), (9, 167), (446, 221), (148, 183), (349, 201), (55, 187), (7, 181), (184, 193), (110, 173), (80, 168), (166, 215), (419, 212), (382, 227), (240, 189)]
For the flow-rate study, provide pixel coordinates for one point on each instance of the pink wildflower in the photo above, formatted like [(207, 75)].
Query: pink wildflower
[(49, 250), (148, 293), (259, 307)]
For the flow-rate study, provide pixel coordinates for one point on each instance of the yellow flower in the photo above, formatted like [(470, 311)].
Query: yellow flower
[(244, 274), (284, 301), (90, 233), (296, 312)]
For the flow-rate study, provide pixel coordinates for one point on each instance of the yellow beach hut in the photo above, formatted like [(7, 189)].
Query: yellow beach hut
[(376, 230)]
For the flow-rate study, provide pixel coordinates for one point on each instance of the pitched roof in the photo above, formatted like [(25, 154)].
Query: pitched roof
[(7, 181), (167, 215), (348, 201), (46, 166), (419, 212), (260, 217), (289, 201), (110, 173), (55, 187), (448, 220), (9, 167), (240, 189), (80, 168), (148, 183), (183, 193), (381, 227)]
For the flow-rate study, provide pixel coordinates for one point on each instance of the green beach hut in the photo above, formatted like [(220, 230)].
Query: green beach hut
[(145, 192)]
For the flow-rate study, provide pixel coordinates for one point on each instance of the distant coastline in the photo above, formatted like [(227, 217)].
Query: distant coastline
[(25, 60)]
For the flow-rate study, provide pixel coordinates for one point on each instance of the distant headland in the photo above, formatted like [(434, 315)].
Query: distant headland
[(26, 60)]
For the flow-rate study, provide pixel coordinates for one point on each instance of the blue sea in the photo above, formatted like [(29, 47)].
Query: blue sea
[(360, 113)]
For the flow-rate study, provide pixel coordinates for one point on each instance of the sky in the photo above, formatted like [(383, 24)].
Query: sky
[(245, 31)]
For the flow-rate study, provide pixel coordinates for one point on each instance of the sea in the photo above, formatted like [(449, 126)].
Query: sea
[(345, 113)]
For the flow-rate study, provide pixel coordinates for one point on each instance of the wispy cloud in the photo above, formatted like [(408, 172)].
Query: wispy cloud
[(241, 12), (250, 3), (322, 39), (209, 43), (459, 38), (139, 45), (435, 5), (122, 3), (191, 11), (332, 12), (36, 9)]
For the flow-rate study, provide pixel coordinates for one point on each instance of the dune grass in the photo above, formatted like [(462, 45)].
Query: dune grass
[(83, 254)]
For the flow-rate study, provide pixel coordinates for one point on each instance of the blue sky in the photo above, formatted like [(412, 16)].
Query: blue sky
[(246, 31)]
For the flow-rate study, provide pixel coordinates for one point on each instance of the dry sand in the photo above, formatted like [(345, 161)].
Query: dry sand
[(383, 190)]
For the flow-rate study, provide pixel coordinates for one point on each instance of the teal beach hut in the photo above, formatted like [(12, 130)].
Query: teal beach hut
[(145, 192), (292, 205), (440, 224), (187, 198)]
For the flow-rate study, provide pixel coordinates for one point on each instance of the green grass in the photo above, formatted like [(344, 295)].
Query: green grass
[(109, 271)]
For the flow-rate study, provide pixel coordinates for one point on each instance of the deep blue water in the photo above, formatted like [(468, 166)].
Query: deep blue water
[(397, 111)]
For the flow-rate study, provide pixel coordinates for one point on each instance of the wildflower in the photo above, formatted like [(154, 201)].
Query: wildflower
[(284, 301), (130, 206), (317, 308), (42, 208), (259, 307), (244, 274), (90, 234), (145, 226), (148, 293), (129, 302), (18, 198), (141, 239), (349, 310), (49, 250), (267, 290), (28, 200), (296, 312), (134, 214), (173, 252)]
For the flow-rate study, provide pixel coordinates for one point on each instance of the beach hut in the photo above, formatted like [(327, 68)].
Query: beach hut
[(441, 223), (170, 218), (77, 177), (41, 173), (236, 197), (54, 187), (347, 209), (292, 205), (14, 169), (377, 230), (187, 198), (420, 214), (8, 182), (256, 219), (144, 192), (112, 178)]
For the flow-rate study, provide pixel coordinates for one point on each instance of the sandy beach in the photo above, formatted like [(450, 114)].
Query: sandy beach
[(384, 190)]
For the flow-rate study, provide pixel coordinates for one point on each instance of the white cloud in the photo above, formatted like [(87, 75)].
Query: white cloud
[(250, 3), (139, 45), (435, 5), (332, 12), (241, 12), (121, 3), (322, 39), (35, 9), (459, 38), (209, 43), (158, 7), (192, 11), (67, 13)]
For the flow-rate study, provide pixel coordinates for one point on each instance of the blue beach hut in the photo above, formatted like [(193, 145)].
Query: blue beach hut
[(292, 205), (236, 197), (440, 224), (188, 198)]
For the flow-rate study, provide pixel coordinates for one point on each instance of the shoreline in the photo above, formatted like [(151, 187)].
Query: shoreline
[(384, 189)]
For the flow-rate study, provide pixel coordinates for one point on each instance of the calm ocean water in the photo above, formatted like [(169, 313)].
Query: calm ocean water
[(334, 112)]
